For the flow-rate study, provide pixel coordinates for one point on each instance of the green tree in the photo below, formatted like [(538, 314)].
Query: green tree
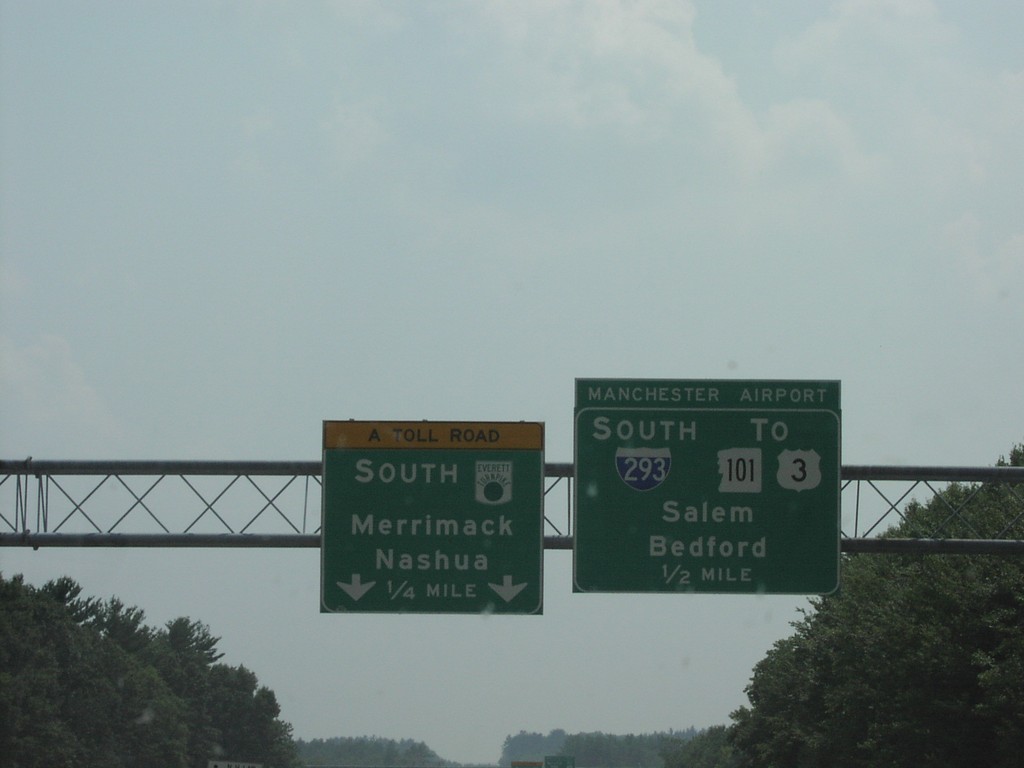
[(917, 661), (33, 731), (245, 715), (86, 682), (183, 654), (68, 697), (120, 624), (708, 749)]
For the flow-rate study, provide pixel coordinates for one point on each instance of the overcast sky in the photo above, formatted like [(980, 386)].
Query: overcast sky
[(222, 223)]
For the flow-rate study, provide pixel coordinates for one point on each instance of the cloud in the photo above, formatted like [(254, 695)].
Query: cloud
[(634, 74), (808, 136), (993, 271), (604, 63), (354, 133), (870, 33), (45, 391)]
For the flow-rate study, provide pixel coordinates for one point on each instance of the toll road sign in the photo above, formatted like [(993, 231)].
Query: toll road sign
[(707, 486), (432, 517)]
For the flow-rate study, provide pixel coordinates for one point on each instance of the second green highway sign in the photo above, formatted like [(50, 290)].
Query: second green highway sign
[(707, 486)]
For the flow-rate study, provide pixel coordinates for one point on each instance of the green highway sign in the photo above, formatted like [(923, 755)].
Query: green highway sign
[(432, 517), (707, 486)]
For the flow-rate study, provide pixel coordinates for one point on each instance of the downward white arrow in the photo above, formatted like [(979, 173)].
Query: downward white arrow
[(356, 589), (507, 590)]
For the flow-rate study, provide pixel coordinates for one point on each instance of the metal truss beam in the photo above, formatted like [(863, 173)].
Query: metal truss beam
[(312, 541), (72, 505)]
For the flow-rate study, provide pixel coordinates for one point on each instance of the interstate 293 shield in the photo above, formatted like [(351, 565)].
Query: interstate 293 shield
[(643, 469)]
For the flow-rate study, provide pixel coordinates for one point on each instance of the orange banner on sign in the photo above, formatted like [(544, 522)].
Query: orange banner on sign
[(449, 435)]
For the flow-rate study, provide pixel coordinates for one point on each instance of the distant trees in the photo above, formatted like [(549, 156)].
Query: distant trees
[(917, 661), (367, 751), (531, 746), (601, 750), (86, 682), (595, 750), (709, 748)]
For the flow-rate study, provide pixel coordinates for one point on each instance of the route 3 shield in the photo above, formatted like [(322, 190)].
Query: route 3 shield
[(799, 470)]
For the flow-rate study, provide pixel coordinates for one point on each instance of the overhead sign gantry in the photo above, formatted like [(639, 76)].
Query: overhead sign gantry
[(432, 517), (707, 486)]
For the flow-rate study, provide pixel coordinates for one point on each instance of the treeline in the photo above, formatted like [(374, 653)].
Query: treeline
[(710, 748), (530, 746), (918, 661), (367, 751), (595, 750), (590, 750), (85, 682)]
